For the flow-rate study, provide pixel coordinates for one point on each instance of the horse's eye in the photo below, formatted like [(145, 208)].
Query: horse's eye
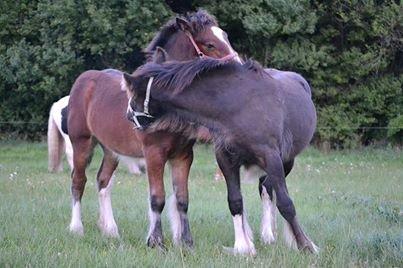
[(210, 47)]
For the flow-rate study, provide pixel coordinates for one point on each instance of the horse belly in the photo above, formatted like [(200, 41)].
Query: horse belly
[(301, 124)]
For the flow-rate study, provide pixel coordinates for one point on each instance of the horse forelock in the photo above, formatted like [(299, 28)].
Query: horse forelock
[(199, 21)]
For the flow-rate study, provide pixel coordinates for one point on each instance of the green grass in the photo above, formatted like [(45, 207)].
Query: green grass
[(350, 203)]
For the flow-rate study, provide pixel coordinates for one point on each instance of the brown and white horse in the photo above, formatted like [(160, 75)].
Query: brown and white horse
[(59, 141), (97, 115)]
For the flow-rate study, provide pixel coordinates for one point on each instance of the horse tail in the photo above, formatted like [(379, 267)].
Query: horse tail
[(55, 144)]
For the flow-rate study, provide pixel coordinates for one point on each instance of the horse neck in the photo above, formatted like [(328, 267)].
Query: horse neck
[(194, 104)]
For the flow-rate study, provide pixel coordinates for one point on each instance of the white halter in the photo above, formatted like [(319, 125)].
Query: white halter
[(135, 114)]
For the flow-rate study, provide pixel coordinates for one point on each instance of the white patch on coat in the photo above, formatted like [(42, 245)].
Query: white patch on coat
[(219, 33), (76, 226), (124, 86), (106, 221)]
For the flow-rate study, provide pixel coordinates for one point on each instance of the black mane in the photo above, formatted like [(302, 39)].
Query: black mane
[(199, 21), (176, 76)]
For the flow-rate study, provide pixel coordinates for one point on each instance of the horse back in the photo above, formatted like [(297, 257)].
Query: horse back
[(97, 108)]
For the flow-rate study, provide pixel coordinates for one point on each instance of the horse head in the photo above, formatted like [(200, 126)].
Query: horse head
[(192, 35)]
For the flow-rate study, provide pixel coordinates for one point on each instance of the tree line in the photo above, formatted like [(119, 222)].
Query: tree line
[(350, 51)]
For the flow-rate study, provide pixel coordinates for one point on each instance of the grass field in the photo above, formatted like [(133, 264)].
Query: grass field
[(350, 203)]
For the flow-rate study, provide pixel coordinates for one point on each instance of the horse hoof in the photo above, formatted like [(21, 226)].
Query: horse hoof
[(156, 242), (311, 248), (108, 229), (241, 251), (187, 245), (268, 237), (77, 229)]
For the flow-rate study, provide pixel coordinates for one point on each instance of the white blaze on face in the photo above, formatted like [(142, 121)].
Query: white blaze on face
[(219, 33)]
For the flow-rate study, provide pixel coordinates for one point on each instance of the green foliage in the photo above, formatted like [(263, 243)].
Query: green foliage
[(349, 50), (45, 45), (395, 129)]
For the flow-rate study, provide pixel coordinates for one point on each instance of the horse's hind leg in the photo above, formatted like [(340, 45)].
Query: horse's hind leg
[(276, 179), (243, 234), (269, 221), (155, 160), (268, 197), (178, 205), (106, 221), (83, 148)]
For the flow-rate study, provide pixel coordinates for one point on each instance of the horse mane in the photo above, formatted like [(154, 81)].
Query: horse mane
[(176, 76), (199, 21)]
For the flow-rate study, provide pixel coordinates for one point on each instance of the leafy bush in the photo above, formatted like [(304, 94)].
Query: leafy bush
[(349, 50)]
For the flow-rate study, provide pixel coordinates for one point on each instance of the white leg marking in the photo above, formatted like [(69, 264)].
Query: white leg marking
[(219, 33), (76, 226), (289, 236), (246, 226), (243, 243), (153, 217), (106, 221), (174, 218), (268, 227)]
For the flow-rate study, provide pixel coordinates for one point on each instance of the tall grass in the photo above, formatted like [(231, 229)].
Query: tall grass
[(349, 202)]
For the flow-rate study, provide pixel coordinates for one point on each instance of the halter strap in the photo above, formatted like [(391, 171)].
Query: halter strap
[(199, 52), (148, 92), (230, 56)]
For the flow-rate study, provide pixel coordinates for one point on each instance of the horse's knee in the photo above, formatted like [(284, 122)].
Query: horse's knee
[(235, 206), (157, 203)]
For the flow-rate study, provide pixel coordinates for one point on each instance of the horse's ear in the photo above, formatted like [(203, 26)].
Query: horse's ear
[(160, 55), (183, 24), (127, 84)]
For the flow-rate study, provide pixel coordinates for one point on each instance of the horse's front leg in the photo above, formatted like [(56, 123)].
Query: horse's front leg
[(276, 181), (243, 234), (179, 201), (155, 159)]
